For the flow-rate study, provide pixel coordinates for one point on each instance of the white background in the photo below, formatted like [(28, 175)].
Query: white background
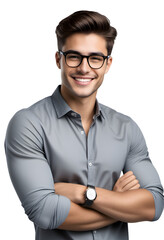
[(134, 85)]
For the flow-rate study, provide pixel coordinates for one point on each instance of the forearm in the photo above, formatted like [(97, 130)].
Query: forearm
[(129, 206), (84, 219)]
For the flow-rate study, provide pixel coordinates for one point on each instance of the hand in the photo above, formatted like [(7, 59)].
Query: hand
[(126, 182), (75, 192)]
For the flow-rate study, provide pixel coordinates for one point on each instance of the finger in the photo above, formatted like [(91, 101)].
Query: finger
[(123, 181), (135, 187), (130, 185), (127, 174), (127, 180)]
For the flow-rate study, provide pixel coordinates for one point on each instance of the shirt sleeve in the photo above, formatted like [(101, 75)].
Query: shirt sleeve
[(31, 174), (139, 162)]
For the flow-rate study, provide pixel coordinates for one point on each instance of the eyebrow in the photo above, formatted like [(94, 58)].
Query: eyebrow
[(90, 54)]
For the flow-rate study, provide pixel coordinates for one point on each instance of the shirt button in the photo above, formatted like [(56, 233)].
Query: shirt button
[(94, 232), (90, 164), (82, 132)]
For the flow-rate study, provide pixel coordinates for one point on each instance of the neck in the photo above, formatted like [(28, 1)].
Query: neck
[(85, 106)]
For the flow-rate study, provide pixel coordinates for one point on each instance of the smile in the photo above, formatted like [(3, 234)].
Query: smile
[(83, 80)]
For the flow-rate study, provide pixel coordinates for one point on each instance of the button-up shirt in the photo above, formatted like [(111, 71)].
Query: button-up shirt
[(46, 143)]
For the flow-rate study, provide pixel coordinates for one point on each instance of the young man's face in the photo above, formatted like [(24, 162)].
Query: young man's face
[(82, 81)]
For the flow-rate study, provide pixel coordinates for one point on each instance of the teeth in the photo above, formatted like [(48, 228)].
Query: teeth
[(83, 80)]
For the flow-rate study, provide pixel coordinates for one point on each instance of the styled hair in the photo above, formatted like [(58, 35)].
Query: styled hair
[(86, 22)]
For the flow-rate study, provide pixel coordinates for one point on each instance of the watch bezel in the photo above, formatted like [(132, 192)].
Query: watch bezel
[(88, 196)]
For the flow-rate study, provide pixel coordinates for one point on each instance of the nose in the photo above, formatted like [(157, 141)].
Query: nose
[(84, 66)]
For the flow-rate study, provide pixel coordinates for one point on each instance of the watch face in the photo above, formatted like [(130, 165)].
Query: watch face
[(91, 194)]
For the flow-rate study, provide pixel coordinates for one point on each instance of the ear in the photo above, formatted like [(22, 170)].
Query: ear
[(57, 57), (109, 63)]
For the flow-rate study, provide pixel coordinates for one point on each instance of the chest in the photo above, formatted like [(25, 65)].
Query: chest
[(97, 158)]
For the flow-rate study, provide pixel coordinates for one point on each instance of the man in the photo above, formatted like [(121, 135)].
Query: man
[(65, 153)]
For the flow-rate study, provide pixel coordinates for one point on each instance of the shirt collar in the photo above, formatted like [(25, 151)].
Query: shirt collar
[(60, 104), (99, 112), (62, 108)]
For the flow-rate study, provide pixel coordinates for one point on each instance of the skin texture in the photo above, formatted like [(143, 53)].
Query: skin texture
[(81, 98), (126, 202), (75, 192), (88, 219), (129, 206)]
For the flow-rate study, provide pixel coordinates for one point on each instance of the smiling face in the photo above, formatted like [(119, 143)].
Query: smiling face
[(82, 81)]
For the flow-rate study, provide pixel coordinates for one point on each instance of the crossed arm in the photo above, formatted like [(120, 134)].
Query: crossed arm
[(125, 203), (33, 180)]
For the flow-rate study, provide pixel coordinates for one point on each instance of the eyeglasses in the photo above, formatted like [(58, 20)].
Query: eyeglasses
[(73, 59)]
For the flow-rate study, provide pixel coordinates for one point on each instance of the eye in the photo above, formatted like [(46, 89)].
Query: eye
[(73, 57), (96, 58)]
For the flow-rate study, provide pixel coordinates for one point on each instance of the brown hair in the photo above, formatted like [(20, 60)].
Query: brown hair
[(86, 22)]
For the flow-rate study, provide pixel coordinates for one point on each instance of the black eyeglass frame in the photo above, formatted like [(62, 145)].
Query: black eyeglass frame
[(83, 56)]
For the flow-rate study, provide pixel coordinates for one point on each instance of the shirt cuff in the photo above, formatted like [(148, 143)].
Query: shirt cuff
[(63, 209), (159, 204)]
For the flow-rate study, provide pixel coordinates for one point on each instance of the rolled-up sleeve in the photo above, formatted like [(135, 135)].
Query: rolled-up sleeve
[(31, 174), (139, 162)]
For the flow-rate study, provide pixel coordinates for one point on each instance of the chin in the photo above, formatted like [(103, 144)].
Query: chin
[(86, 94), (79, 91)]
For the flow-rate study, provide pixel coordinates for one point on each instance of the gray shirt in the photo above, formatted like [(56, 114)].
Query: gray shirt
[(46, 143)]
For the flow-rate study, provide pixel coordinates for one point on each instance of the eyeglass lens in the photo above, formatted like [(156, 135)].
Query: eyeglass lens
[(74, 60)]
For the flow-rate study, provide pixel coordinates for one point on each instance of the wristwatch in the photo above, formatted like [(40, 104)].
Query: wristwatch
[(90, 196)]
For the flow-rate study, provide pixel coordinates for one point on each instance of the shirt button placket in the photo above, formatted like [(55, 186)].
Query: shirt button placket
[(82, 132), (90, 164), (94, 235), (90, 150)]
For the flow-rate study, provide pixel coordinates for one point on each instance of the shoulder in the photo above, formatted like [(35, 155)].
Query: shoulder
[(29, 119), (33, 113), (119, 121), (113, 115)]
